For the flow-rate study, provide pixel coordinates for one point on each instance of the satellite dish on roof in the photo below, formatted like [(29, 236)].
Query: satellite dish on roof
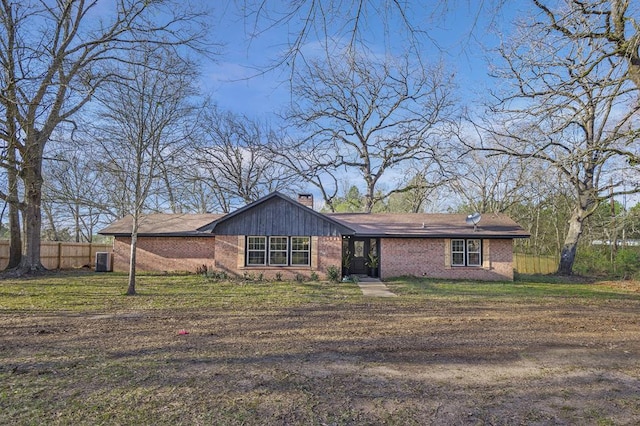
[(474, 219)]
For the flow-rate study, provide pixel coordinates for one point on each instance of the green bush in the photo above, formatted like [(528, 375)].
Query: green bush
[(592, 260), (333, 274), (626, 262)]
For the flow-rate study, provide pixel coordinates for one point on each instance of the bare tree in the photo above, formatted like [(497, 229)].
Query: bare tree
[(74, 190), (8, 161), (315, 164), (234, 163), (353, 21), (612, 25), (489, 184), (52, 57), (421, 183), (370, 116), (575, 114), (141, 125)]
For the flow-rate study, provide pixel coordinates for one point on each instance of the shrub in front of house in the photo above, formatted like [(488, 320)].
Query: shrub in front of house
[(333, 274)]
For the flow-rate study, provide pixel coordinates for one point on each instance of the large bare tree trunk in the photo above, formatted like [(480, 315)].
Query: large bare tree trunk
[(32, 178), (15, 244), (568, 253)]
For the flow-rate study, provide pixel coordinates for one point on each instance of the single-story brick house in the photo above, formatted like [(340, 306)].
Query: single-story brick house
[(277, 235)]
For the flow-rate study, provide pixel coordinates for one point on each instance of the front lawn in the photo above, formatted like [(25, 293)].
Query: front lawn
[(187, 350)]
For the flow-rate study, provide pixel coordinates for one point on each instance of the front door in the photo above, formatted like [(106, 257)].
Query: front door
[(358, 252)]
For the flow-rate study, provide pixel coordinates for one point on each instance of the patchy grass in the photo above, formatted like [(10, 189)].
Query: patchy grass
[(105, 292), (526, 289), (75, 350)]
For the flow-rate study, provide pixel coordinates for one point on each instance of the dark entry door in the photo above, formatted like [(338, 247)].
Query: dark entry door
[(360, 249)]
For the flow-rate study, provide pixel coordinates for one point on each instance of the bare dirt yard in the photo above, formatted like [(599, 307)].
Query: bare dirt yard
[(334, 359)]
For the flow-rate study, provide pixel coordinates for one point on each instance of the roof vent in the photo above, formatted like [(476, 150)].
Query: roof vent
[(474, 219), (306, 200)]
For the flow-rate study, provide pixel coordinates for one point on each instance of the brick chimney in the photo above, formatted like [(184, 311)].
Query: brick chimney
[(306, 200)]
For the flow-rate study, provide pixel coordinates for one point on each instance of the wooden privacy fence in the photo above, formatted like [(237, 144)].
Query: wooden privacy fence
[(59, 255), (534, 264)]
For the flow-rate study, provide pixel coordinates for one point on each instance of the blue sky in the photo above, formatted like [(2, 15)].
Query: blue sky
[(455, 36)]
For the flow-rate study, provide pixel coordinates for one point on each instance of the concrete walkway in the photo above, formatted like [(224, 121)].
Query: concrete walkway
[(374, 287)]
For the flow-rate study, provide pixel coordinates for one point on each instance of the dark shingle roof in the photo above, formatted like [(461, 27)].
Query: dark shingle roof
[(429, 225), (415, 225), (181, 224)]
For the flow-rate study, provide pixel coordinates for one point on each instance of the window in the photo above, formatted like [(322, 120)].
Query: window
[(358, 248), (256, 250), (300, 251), (279, 251), (466, 252), (474, 257), (457, 252)]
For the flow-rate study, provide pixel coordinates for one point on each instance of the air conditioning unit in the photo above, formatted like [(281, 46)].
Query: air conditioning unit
[(103, 261)]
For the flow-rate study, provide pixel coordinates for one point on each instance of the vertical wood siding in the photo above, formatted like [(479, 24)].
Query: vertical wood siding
[(279, 217)]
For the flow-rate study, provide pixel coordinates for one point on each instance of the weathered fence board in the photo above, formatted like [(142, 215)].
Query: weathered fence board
[(534, 264), (61, 255)]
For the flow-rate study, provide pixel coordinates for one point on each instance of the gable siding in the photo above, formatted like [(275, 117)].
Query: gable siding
[(278, 217)]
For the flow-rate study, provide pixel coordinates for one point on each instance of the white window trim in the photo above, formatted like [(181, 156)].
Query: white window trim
[(466, 253), (308, 251), (285, 251), (265, 251), (288, 252), (469, 253), (454, 252)]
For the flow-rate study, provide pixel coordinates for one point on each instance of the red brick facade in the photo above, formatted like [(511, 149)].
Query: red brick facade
[(429, 257), (165, 254), (421, 257)]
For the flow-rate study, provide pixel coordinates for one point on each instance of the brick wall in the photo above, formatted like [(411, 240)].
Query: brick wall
[(170, 254), (330, 253), (325, 251), (426, 258), (398, 256)]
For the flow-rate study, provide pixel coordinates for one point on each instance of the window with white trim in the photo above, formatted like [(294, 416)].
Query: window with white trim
[(256, 251), (466, 252), (278, 251), (300, 251), (457, 252), (474, 252)]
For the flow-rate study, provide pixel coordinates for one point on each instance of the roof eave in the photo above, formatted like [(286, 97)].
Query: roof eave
[(468, 235), (159, 234)]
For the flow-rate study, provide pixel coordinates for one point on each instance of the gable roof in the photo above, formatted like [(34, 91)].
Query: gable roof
[(161, 224), (277, 214), (429, 225)]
